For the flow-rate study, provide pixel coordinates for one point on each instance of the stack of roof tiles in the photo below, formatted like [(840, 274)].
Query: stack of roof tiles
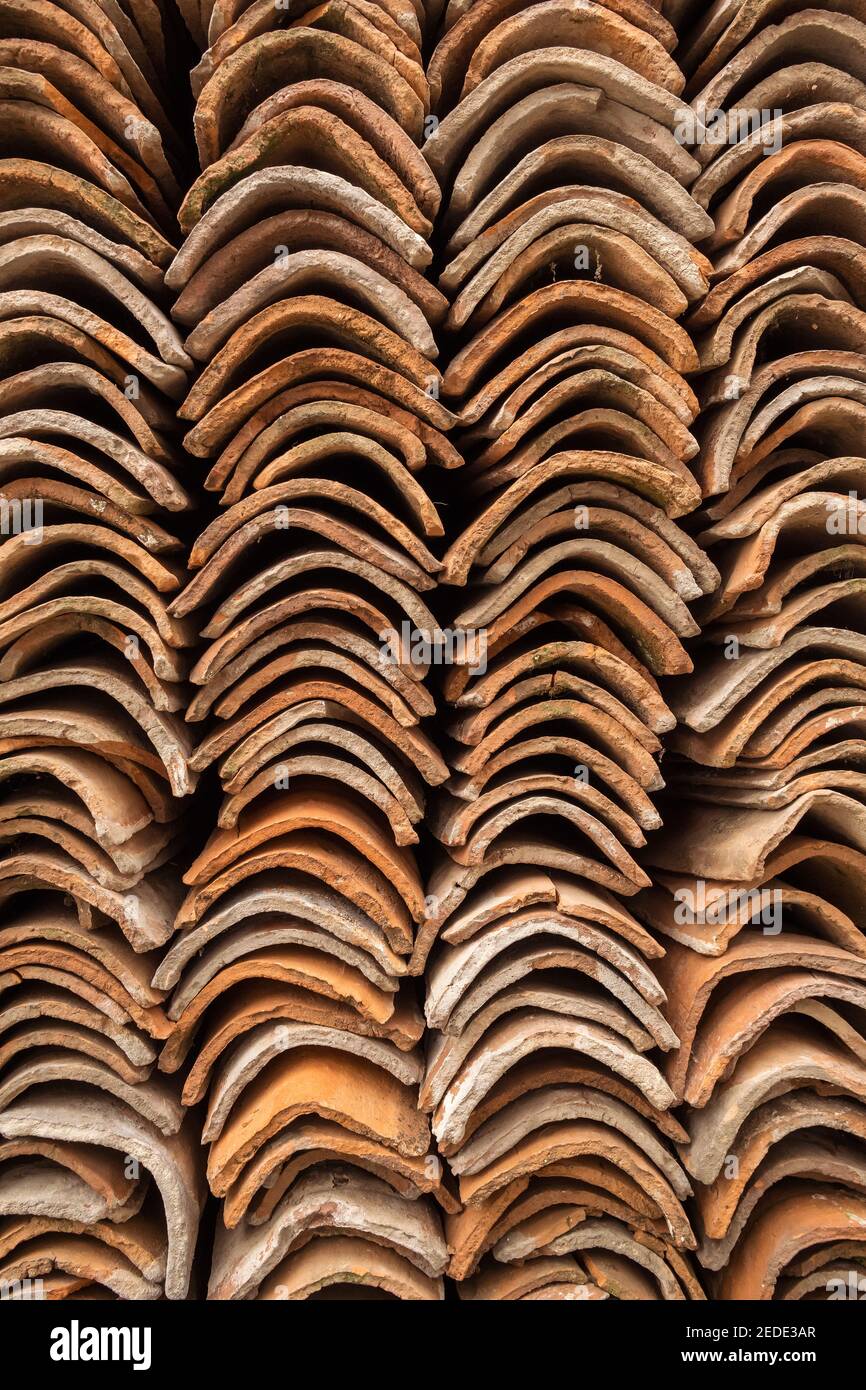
[(759, 873), (301, 289), (99, 1186), (569, 259), (432, 822)]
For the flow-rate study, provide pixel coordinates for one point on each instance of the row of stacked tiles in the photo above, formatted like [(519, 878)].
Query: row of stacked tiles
[(441, 470)]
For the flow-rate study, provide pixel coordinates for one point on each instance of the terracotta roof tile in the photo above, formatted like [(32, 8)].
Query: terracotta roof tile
[(377, 811)]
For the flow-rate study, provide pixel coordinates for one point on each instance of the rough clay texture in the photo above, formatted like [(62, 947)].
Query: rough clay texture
[(433, 650)]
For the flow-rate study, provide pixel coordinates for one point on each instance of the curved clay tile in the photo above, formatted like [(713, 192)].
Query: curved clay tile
[(252, 251), (278, 59), (511, 890), (403, 676), (162, 731), (453, 971), (733, 31), (606, 360), (265, 1181), (347, 277), (346, 326), (348, 1089), (628, 267), (89, 1182), (369, 121), (338, 1201), (59, 818), (542, 68), (152, 1099), (735, 337), (26, 183), (413, 438), (447, 1054), (566, 109), (509, 1041), (536, 364), (524, 1282), (745, 509), (456, 817), (587, 1135), (322, 908), (50, 130), (372, 30), (172, 1159), (114, 805), (137, 1240), (784, 1123), (372, 556), (603, 719), (295, 489), (837, 257), (315, 768), (460, 40), (285, 140), (47, 312), (261, 1045), (690, 980), (350, 999), (70, 1037), (601, 389), (517, 891), (50, 257), (840, 124), (793, 1223), (346, 1263), (36, 1001), (233, 412), (249, 1000), (16, 224), (591, 831), (566, 24), (612, 472), (154, 476), (485, 259), (336, 864), (81, 1257), (342, 407), (834, 209), (228, 33), (587, 300), (119, 56), (26, 389), (784, 1059), (585, 159), (328, 814), (837, 322), (806, 1158), (726, 466), (268, 192), (805, 84), (717, 691), (556, 1105), (613, 1236), (292, 728), (630, 519), (541, 1069), (361, 571), (113, 121), (608, 668), (800, 163), (363, 978)]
